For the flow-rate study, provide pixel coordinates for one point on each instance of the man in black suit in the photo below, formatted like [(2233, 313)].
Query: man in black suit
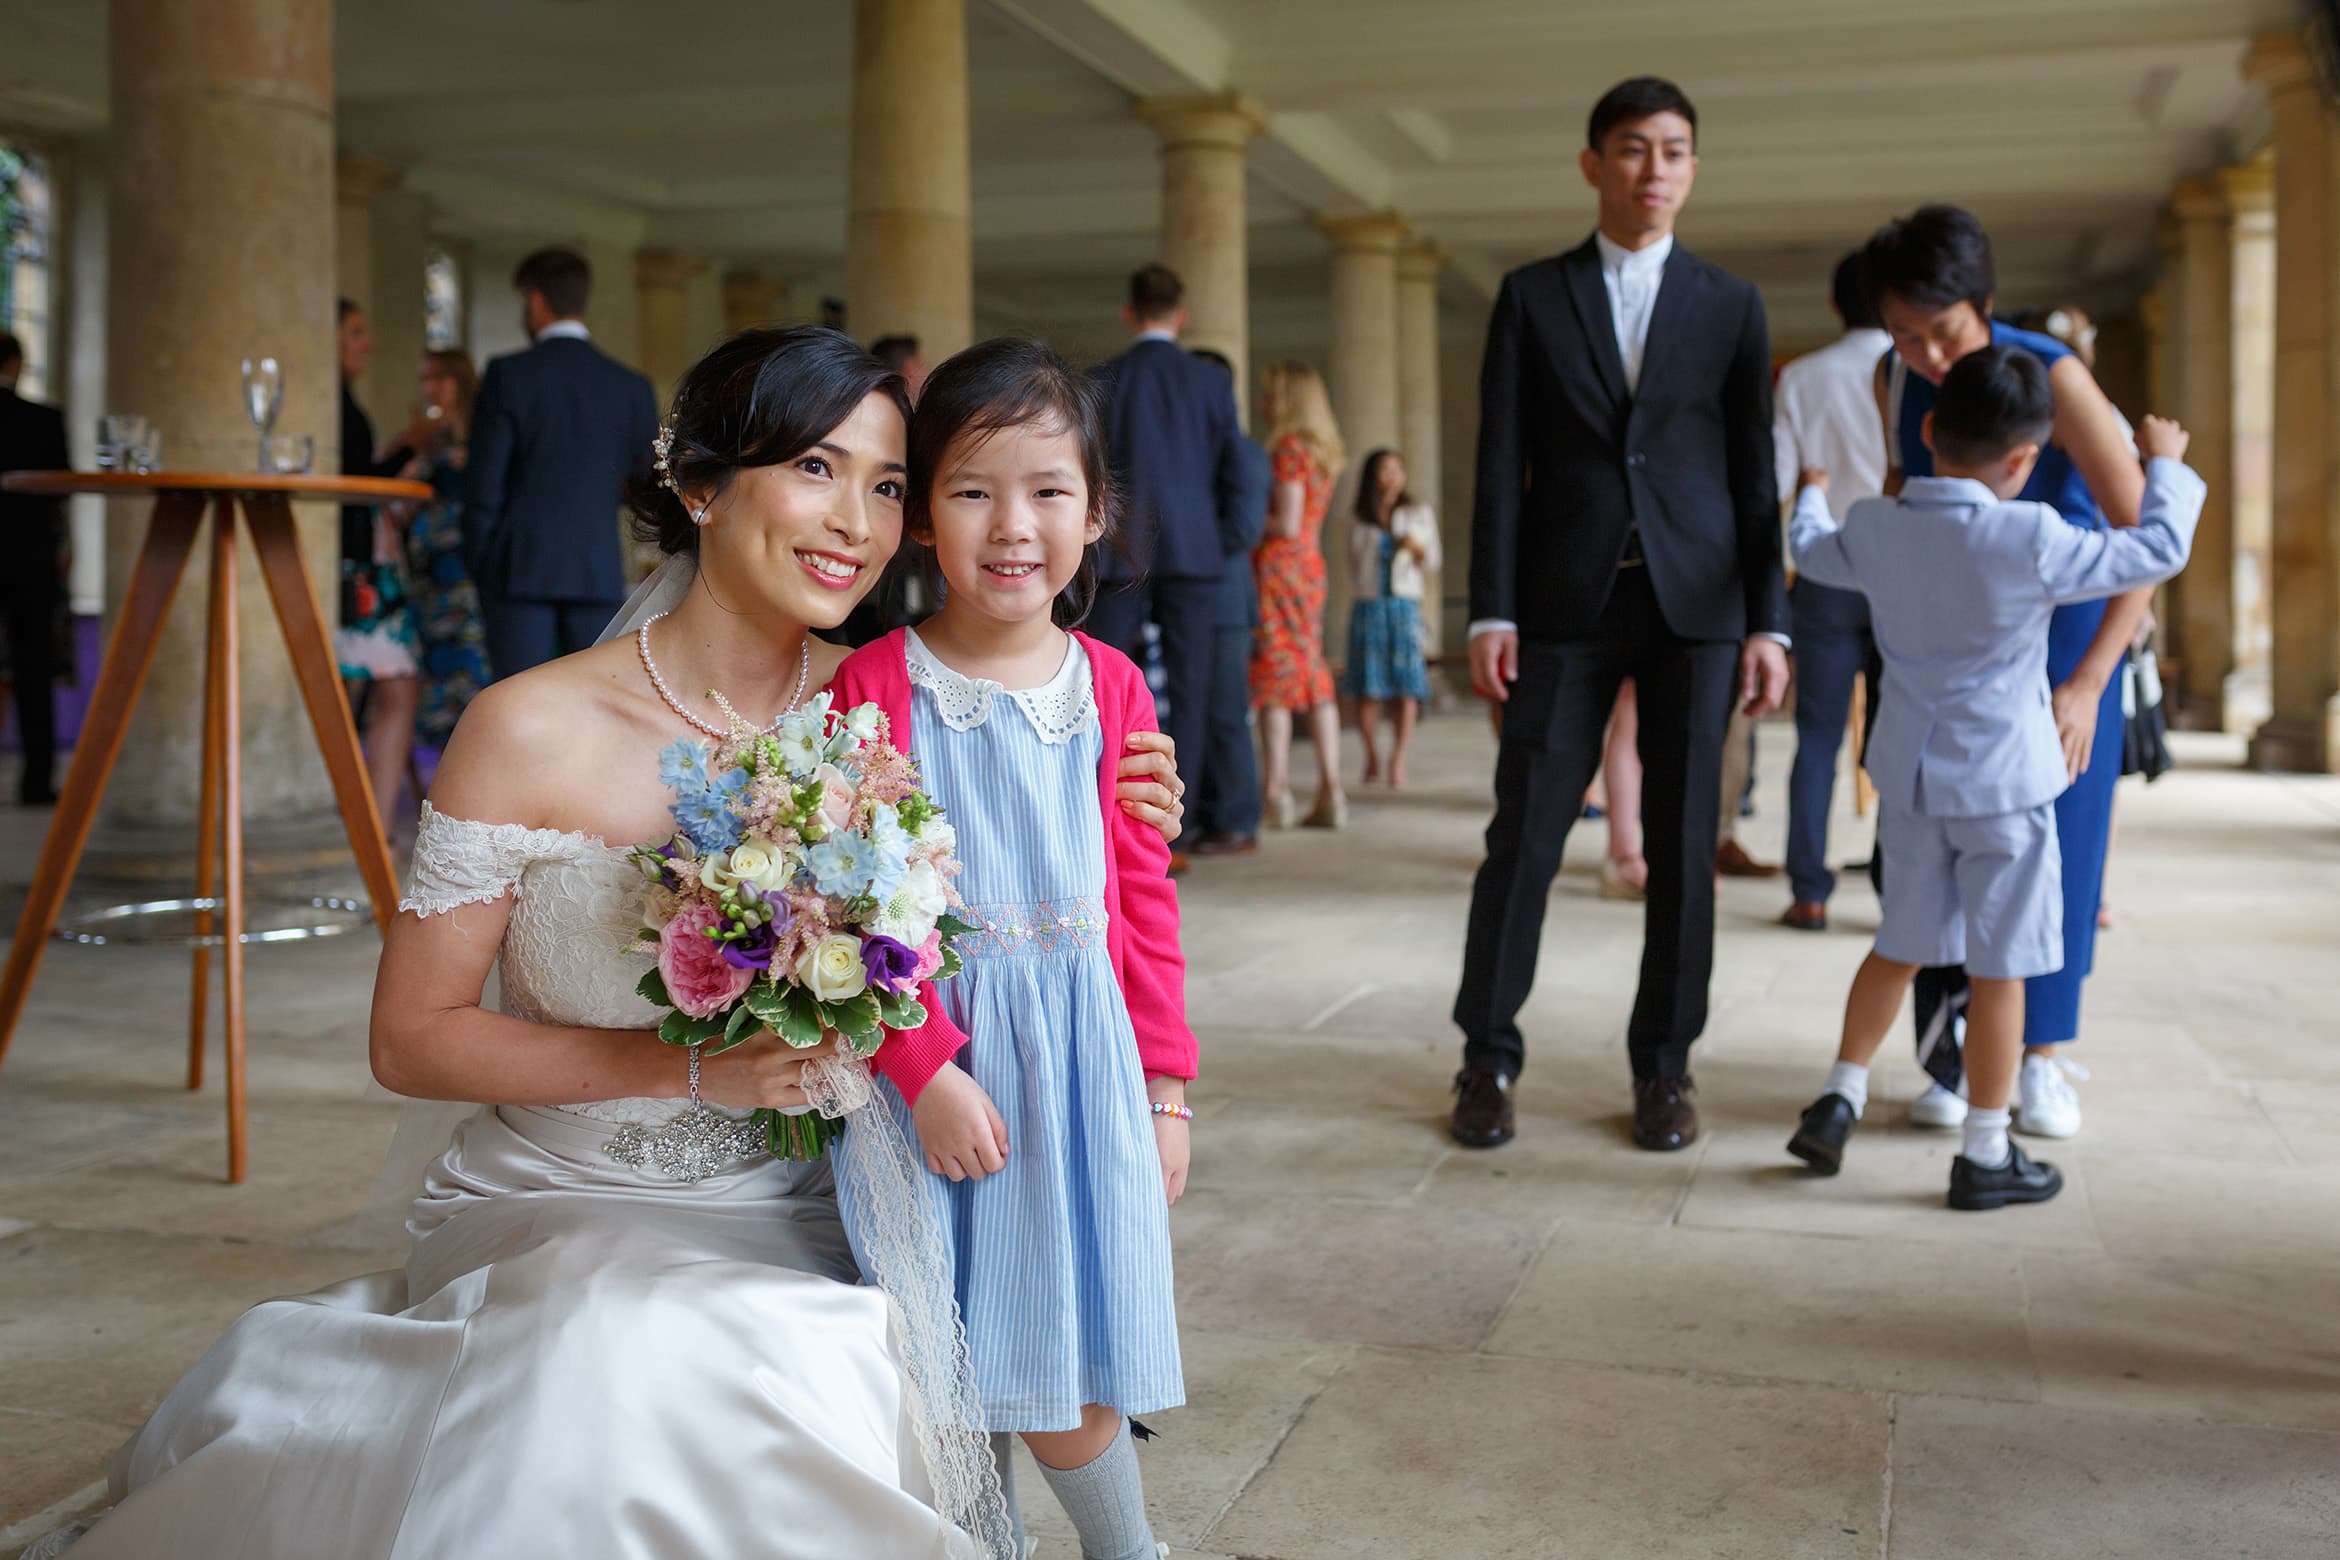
[(556, 434), (1626, 525), (1170, 423), (1228, 805), (32, 576)]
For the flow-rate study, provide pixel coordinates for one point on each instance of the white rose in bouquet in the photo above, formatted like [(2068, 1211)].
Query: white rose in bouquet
[(831, 969)]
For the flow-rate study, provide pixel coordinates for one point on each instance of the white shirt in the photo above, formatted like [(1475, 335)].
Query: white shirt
[(572, 328), (1826, 416), (1633, 277), (1158, 333)]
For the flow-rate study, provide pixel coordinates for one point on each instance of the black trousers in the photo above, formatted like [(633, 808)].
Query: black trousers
[(1228, 799), (31, 613), (1186, 611), (1553, 725)]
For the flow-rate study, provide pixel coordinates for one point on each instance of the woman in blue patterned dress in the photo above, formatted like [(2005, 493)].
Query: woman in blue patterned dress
[(452, 641), (1932, 277), (1393, 546)]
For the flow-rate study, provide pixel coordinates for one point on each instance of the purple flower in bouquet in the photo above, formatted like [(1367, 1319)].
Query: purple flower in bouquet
[(892, 966), (754, 950)]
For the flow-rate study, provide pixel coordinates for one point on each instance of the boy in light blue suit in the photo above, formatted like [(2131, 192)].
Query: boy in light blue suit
[(1966, 759)]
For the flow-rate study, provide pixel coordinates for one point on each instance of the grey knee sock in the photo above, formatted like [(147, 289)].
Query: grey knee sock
[(1107, 1502), (1003, 1452)]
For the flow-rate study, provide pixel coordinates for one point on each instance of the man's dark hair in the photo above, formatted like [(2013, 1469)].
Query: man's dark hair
[(348, 307), (560, 277), (1155, 292), (1935, 257), (11, 350), (1849, 291), (1639, 98), (1992, 401), (894, 351), (1213, 356)]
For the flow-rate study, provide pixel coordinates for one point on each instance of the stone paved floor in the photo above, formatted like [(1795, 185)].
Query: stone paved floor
[(1563, 1348)]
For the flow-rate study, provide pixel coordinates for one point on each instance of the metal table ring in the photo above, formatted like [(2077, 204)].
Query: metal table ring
[(128, 925)]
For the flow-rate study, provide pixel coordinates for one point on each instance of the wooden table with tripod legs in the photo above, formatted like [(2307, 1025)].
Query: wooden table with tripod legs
[(181, 499)]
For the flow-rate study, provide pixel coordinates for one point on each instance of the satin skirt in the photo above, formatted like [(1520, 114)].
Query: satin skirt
[(579, 1360)]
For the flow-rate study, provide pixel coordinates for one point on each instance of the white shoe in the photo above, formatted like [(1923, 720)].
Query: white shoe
[(2045, 1105), (1937, 1107)]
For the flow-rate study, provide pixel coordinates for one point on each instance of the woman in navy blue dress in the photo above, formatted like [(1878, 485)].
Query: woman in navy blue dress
[(1932, 278)]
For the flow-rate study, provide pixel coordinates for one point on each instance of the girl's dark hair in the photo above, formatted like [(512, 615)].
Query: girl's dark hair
[(1009, 382), (1369, 488), (1933, 258), (761, 398)]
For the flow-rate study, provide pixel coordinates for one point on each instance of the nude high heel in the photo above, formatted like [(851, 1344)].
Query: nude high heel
[(1279, 809), (1331, 811)]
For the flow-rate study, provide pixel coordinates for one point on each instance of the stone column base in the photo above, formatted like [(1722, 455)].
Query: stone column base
[(2299, 747)]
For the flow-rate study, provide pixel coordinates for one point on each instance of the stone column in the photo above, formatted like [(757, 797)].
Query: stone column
[(2202, 397), (2250, 197), (2303, 733), (1204, 227), (220, 221), (1364, 380), (1421, 437), (402, 247), (357, 183), (908, 267), (751, 299), (662, 278)]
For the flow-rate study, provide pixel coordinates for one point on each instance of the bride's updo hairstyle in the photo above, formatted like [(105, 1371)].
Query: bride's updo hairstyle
[(761, 398)]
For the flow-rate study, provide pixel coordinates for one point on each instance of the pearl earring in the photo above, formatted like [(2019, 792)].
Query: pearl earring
[(699, 515)]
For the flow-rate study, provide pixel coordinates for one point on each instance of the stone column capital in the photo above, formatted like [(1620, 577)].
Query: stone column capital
[(1227, 120), (1372, 232), (2279, 62), (2249, 188), (2198, 201), (660, 267), (1420, 260), (360, 179)]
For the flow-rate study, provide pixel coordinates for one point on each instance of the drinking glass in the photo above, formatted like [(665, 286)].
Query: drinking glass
[(263, 398), (288, 454), (144, 453), (117, 433)]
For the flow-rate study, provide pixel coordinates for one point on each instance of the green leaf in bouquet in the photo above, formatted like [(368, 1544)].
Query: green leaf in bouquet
[(951, 964), (679, 1028), (952, 926), (800, 1018), (652, 989), (742, 1023), (856, 1020), (768, 1002), (900, 1010)]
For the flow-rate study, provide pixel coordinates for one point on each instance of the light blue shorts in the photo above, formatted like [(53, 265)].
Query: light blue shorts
[(1987, 893)]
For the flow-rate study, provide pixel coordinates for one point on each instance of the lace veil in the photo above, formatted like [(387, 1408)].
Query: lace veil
[(900, 1245)]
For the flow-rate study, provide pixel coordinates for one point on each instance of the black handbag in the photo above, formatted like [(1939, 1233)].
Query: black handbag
[(2144, 726)]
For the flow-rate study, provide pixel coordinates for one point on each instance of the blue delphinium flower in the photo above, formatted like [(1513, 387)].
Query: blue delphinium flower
[(841, 864), (682, 767), (889, 845), (706, 816)]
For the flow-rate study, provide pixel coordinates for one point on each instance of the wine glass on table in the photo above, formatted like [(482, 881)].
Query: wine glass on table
[(263, 398)]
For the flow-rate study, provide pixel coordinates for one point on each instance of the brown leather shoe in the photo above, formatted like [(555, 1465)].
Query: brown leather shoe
[(1732, 860), (1222, 842), (1664, 1119), (1482, 1108), (1179, 862), (1805, 916)]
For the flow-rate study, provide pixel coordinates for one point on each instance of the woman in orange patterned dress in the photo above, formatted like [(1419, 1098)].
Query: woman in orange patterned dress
[(1288, 668)]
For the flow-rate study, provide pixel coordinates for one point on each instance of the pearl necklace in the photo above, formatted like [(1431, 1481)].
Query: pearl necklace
[(803, 673)]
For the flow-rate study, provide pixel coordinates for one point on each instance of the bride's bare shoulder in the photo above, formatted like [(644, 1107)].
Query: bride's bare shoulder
[(524, 738)]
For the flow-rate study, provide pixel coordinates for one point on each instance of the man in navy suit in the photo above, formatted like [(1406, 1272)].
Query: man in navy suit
[(556, 434), (1228, 804), (1170, 423)]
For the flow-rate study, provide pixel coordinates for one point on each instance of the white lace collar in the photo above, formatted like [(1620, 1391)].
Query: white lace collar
[(1060, 708)]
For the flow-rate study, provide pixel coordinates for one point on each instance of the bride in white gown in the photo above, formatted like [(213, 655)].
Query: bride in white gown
[(584, 1357)]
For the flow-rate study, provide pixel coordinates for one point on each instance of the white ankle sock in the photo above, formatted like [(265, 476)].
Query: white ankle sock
[(1107, 1502), (1986, 1138), (1851, 1080)]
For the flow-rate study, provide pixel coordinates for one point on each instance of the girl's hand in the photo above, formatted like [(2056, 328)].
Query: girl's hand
[(958, 1126), (1173, 1138), (765, 1073), (2075, 706), (1150, 790)]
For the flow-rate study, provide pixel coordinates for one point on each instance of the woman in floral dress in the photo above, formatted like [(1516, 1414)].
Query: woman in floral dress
[(1288, 669)]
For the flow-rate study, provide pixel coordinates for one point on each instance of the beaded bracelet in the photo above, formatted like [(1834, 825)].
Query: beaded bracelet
[(1165, 1108)]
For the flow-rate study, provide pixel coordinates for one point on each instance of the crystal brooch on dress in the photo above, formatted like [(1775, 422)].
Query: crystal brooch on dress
[(695, 1145)]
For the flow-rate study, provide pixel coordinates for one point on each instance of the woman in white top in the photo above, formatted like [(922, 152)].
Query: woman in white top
[(1393, 546)]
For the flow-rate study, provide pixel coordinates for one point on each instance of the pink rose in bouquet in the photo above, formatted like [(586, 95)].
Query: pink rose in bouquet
[(698, 977)]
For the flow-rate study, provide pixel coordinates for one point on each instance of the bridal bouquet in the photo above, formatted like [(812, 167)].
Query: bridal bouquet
[(806, 889)]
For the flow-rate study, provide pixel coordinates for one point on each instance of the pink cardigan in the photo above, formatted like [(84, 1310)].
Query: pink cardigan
[(1141, 905)]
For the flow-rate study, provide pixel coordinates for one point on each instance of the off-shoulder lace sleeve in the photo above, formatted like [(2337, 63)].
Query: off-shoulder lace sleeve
[(461, 862)]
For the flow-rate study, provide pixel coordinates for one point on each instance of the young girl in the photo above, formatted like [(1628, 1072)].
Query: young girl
[(1393, 546), (1047, 1090)]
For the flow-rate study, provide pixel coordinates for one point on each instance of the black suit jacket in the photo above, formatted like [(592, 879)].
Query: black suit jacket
[(557, 432), (32, 529), (1570, 463), (1170, 423)]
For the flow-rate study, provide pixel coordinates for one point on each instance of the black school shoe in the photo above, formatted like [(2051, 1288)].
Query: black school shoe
[(1820, 1137), (2020, 1180)]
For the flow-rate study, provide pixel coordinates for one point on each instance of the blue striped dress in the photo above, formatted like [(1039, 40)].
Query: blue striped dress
[(1063, 1257)]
